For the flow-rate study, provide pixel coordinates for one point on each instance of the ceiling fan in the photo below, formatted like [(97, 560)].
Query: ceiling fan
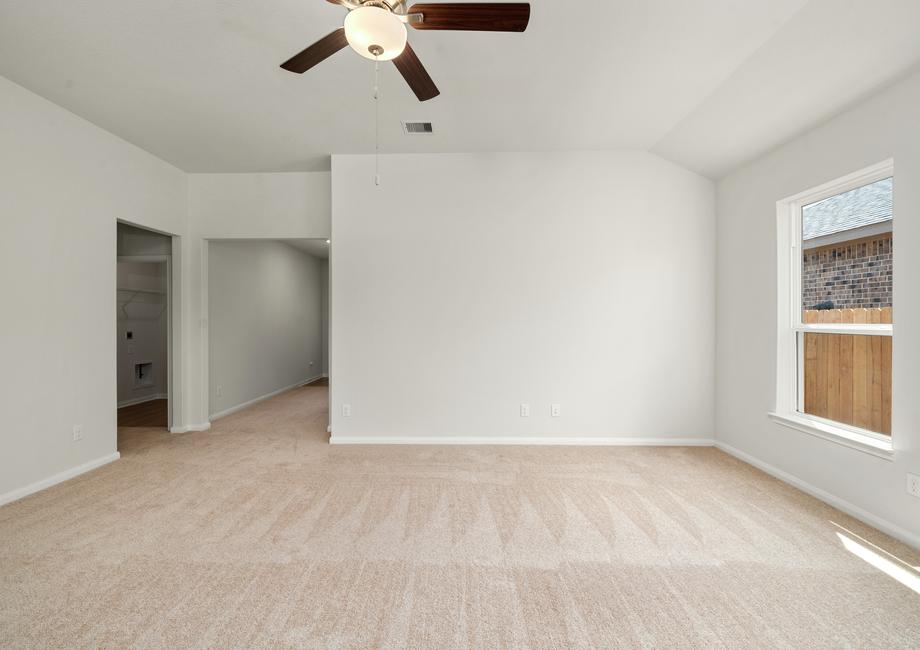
[(376, 29)]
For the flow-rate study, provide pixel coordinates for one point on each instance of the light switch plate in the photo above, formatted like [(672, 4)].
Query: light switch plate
[(77, 432), (346, 410)]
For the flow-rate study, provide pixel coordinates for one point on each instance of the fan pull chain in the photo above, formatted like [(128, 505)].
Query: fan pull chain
[(376, 120)]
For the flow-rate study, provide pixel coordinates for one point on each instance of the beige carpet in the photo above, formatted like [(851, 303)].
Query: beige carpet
[(259, 534)]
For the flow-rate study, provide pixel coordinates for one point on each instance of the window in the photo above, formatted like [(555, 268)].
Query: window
[(835, 328)]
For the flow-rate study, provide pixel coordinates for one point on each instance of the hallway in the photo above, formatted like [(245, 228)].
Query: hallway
[(258, 533)]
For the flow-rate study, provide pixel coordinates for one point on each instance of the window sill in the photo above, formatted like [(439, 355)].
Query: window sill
[(838, 435)]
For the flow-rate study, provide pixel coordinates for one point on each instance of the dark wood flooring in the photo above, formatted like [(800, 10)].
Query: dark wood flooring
[(322, 381), (146, 414)]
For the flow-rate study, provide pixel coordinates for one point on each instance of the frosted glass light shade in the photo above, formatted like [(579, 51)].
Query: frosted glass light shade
[(366, 27)]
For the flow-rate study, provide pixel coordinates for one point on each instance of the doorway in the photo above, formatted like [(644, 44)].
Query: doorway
[(266, 305), (143, 325)]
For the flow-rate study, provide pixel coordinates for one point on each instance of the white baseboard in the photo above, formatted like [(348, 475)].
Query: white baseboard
[(32, 488), (855, 511), (580, 441), (141, 400), (262, 398), (185, 428)]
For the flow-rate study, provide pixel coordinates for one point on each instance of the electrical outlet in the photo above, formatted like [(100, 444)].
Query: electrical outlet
[(220, 390), (525, 410), (555, 410), (913, 485), (346, 410), (77, 432)]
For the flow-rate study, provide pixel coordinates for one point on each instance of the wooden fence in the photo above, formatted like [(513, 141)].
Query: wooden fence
[(847, 377)]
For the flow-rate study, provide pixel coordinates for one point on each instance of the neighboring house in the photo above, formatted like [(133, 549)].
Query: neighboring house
[(848, 244)]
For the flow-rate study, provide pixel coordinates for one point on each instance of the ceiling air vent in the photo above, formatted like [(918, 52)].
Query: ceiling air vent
[(417, 128)]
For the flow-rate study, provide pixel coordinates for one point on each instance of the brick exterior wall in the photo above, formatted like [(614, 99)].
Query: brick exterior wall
[(850, 274)]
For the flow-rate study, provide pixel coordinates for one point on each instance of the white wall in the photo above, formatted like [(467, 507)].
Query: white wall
[(141, 310), (283, 205), (467, 284), (63, 184), (883, 127), (266, 320), (239, 206)]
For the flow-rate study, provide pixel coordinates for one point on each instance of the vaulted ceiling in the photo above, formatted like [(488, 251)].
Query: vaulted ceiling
[(706, 83)]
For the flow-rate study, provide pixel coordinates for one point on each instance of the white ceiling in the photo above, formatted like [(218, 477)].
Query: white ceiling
[(315, 247), (830, 55), (707, 83)]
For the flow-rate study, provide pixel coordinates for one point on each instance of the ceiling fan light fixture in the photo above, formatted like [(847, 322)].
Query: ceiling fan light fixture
[(375, 33)]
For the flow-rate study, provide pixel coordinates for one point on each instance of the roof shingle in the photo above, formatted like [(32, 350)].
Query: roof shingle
[(863, 206)]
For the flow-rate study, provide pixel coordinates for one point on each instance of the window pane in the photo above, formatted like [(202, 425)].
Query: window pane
[(847, 251), (847, 378)]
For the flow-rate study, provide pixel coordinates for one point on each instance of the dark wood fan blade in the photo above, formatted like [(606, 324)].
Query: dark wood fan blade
[(415, 75), (473, 17), (317, 53)]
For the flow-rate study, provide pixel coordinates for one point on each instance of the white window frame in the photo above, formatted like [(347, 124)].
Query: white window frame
[(790, 326)]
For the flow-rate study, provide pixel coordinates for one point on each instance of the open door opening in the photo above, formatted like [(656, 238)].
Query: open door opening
[(266, 305), (143, 324)]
